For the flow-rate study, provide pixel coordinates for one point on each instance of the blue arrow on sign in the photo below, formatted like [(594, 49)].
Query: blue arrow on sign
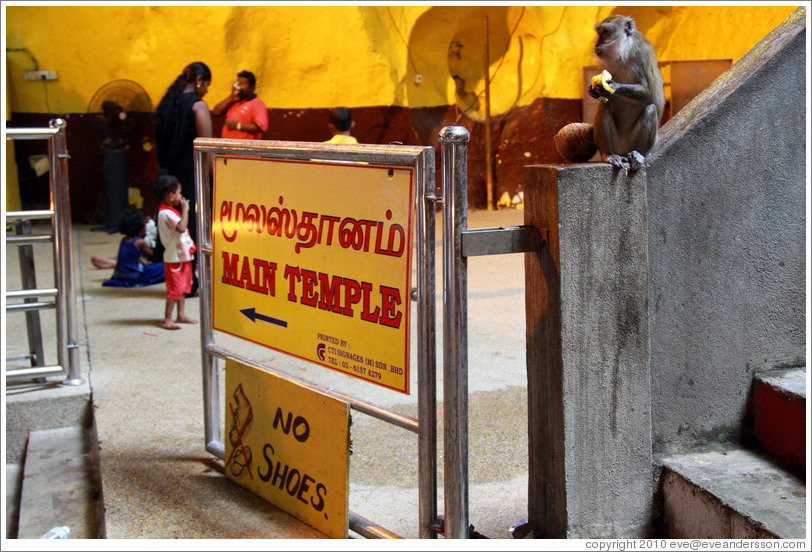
[(253, 316)]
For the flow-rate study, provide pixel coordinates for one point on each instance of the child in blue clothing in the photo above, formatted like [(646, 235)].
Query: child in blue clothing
[(132, 268)]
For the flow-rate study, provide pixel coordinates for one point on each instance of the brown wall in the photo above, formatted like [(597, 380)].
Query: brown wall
[(522, 137)]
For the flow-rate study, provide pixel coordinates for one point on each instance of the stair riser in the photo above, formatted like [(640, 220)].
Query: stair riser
[(779, 423)]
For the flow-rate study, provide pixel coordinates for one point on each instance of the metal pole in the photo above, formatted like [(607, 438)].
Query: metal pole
[(427, 351), (28, 275), (488, 160), (369, 529), (67, 347), (211, 380), (62, 357), (453, 141)]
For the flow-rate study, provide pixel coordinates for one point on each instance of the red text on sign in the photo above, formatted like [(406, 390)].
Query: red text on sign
[(344, 296)]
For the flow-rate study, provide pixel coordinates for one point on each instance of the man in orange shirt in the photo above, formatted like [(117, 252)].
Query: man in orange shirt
[(246, 115)]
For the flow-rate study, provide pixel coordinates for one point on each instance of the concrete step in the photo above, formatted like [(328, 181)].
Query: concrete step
[(730, 494), (779, 414), (35, 406), (61, 484)]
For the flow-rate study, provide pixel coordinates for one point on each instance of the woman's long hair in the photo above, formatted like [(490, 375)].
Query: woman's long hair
[(168, 108)]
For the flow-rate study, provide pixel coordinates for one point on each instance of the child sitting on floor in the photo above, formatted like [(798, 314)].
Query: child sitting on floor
[(132, 268)]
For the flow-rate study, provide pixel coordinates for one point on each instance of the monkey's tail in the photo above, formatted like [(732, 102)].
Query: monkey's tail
[(575, 142)]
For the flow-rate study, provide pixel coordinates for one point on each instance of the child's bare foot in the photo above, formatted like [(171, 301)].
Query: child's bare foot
[(186, 320), (169, 325), (102, 262)]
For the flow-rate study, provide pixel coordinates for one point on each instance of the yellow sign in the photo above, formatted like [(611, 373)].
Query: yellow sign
[(313, 259), (289, 445)]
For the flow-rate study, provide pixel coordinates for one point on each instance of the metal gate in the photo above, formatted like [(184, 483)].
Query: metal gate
[(458, 244)]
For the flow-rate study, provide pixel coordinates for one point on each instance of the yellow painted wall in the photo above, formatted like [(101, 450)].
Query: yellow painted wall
[(302, 56), (321, 56)]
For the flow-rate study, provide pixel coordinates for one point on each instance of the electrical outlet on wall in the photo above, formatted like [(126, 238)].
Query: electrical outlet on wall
[(39, 75)]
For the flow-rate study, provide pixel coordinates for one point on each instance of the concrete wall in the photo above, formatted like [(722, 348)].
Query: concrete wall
[(727, 240)]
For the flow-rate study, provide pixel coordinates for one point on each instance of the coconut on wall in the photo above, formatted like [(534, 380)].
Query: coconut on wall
[(406, 71)]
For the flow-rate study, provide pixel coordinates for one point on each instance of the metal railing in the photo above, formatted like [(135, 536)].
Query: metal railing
[(459, 243), (63, 296)]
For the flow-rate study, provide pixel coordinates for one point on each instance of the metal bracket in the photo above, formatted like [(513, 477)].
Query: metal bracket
[(497, 241), (434, 194)]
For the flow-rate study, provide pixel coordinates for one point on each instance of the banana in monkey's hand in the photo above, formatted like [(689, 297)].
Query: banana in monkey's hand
[(600, 87)]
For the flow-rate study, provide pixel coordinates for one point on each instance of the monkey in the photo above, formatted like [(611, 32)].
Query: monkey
[(632, 100), (626, 124)]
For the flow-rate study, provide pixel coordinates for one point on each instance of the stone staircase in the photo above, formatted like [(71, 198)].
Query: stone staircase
[(753, 491)]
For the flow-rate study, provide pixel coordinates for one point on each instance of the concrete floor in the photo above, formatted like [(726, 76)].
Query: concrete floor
[(161, 483)]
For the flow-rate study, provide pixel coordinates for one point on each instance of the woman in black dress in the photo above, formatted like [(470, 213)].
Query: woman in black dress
[(182, 116)]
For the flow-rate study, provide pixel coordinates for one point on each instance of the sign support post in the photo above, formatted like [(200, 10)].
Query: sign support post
[(426, 350), (453, 142)]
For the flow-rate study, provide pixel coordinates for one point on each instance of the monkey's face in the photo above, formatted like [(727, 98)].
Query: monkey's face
[(606, 41), (612, 33)]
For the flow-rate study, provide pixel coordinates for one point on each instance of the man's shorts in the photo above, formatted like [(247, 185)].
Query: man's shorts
[(178, 279)]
